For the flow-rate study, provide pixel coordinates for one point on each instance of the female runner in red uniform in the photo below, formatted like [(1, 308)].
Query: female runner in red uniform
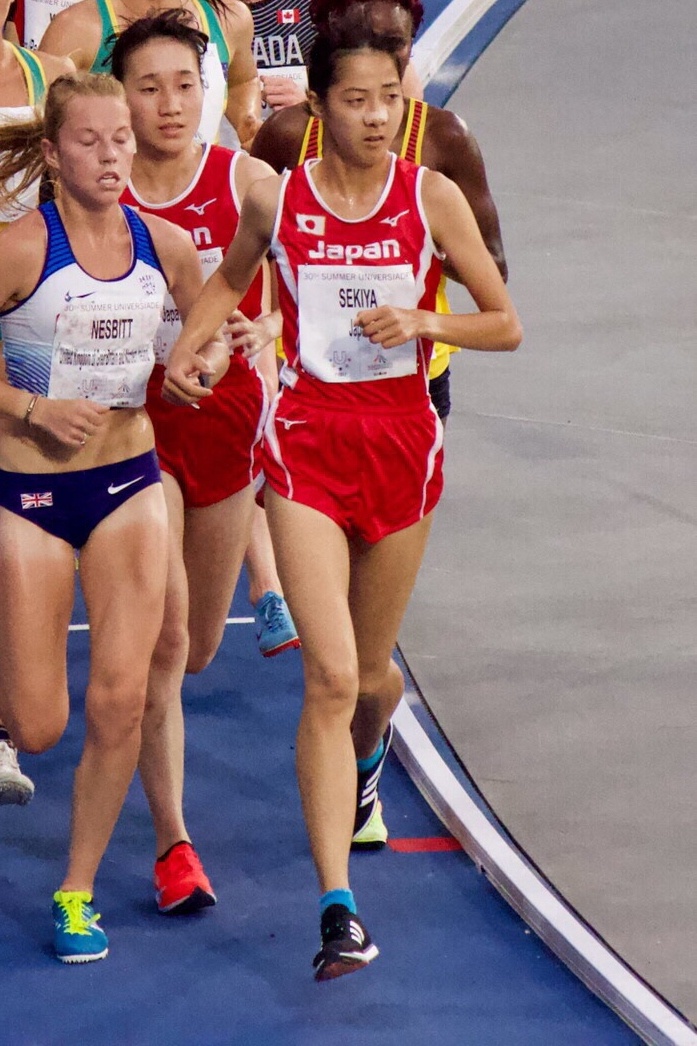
[(206, 455), (353, 445)]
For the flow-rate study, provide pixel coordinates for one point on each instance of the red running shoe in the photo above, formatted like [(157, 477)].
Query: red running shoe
[(181, 884)]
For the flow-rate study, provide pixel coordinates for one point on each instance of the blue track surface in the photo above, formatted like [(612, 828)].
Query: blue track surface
[(456, 965)]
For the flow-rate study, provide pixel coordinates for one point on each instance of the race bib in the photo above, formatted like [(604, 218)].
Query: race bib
[(332, 347), (103, 351), (169, 329), (38, 15)]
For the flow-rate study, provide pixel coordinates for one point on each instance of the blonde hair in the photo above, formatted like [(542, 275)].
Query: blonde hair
[(21, 153)]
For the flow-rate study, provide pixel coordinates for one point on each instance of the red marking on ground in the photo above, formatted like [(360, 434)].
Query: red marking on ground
[(431, 844)]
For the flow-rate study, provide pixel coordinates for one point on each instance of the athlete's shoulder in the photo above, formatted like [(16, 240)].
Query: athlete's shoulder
[(448, 142), (279, 139), (54, 65), (235, 17), (23, 248), (75, 32), (220, 155), (26, 232), (248, 170)]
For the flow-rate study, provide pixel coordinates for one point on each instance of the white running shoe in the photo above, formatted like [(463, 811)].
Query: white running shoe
[(15, 787)]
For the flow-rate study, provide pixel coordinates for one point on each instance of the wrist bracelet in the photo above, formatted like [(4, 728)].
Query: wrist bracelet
[(30, 408)]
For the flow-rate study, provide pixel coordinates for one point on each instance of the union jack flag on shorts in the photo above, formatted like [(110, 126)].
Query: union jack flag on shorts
[(36, 500)]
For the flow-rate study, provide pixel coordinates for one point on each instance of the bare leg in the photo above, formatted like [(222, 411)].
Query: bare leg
[(206, 547), (34, 701), (348, 604), (123, 570), (161, 760), (382, 580), (215, 540), (317, 583), (260, 559)]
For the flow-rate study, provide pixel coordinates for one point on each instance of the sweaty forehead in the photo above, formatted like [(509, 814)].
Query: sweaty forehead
[(161, 55), (95, 113)]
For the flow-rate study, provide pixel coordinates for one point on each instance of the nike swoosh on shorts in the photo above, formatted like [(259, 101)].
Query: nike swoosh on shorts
[(111, 489)]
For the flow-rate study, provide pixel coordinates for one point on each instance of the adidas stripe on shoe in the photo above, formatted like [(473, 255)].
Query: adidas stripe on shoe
[(346, 944), (369, 830)]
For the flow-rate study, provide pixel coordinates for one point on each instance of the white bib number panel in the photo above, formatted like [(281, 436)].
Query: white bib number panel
[(171, 325), (103, 351), (332, 347)]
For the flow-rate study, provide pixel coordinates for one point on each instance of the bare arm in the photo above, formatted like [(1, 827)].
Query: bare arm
[(227, 286), (453, 150), (185, 281), (244, 90), (74, 33), (280, 92), (278, 141), (495, 328)]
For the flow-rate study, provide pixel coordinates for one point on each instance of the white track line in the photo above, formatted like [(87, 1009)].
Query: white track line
[(448, 31), (228, 621)]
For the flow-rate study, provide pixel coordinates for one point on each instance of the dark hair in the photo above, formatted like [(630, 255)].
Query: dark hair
[(324, 12), (330, 47), (173, 24)]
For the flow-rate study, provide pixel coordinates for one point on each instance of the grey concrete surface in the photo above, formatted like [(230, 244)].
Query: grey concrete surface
[(553, 628)]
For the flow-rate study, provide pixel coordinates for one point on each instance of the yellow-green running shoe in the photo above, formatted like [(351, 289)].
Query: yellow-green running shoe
[(76, 935), (373, 834), (369, 831)]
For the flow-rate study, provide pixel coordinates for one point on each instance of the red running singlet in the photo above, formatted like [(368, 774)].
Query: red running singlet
[(353, 432), (211, 451)]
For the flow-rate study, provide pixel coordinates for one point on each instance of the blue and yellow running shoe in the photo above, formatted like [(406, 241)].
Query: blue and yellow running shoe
[(76, 935)]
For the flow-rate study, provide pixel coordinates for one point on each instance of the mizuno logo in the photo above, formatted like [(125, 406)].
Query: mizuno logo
[(393, 221), (74, 297), (288, 422), (111, 489), (199, 208)]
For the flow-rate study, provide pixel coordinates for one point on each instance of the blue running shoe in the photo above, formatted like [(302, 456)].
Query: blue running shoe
[(275, 629), (76, 935)]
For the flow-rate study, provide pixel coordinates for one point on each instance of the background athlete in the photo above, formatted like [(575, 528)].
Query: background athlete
[(24, 78), (283, 37), (207, 455), (84, 32)]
